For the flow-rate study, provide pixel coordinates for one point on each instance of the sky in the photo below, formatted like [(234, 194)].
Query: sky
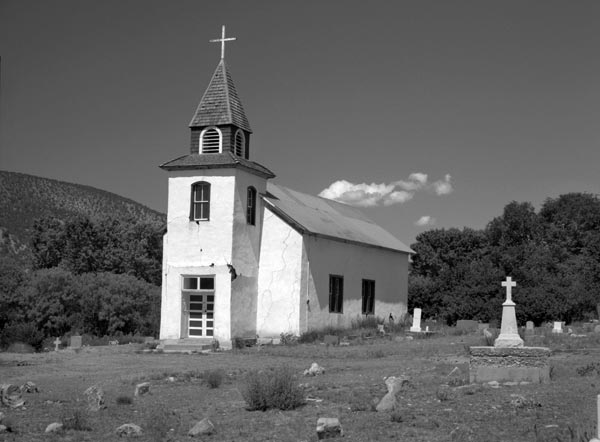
[(425, 114)]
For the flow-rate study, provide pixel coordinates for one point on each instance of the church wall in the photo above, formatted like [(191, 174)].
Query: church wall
[(279, 278), (245, 256), (325, 257)]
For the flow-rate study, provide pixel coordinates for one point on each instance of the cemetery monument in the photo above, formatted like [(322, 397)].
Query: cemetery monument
[(509, 360)]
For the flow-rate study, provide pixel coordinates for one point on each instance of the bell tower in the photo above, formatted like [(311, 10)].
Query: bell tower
[(214, 223)]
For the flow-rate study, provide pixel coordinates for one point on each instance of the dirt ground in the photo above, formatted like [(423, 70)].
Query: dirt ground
[(430, 410)]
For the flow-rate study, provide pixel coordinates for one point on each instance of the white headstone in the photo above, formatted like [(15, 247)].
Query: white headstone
[(557, 327), (509, 332), (416, 327), (56, 344)]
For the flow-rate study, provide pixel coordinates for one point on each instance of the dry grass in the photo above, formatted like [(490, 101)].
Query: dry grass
[(354, 377)]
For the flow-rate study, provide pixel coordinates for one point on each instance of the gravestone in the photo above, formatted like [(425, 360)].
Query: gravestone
[(509, 333), (416, 327), (557, 327), (56, 344), (75, 341), (529, 328), (467, 325), (508, 360)]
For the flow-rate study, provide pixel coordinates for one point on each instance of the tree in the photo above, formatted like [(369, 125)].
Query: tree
[(48, 242)]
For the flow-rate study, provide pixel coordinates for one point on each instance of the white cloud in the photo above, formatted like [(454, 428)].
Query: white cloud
[(397, 192), (415, 181), (443, 187), (363, 195), (397, 197), (425, 221)]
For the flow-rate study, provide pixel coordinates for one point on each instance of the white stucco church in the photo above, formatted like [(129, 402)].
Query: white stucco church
[(244, 257)]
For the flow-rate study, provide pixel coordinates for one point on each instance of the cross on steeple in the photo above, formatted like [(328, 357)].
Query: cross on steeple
[(509, 284), (222, 40)]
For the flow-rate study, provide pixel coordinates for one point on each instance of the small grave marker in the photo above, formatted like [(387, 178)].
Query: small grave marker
[(56, 344), (557, 327), (529, 328), (416, 327), (75, 341)]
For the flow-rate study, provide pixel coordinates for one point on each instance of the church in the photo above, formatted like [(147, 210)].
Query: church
[(245, 258)]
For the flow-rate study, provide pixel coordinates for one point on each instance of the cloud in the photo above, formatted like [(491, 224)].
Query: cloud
[(364, 195), (415, 181), (397, 197), (397, 192), (425, 221), (443, 187)]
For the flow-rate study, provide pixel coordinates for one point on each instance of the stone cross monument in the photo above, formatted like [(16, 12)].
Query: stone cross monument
[(509, 333)]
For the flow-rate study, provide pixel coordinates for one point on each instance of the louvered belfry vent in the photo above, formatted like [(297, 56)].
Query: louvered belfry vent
[(211, 141)]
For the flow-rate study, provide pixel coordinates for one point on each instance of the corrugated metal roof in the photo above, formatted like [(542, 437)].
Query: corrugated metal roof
[(327, 218), (215, 161), (220, 103)]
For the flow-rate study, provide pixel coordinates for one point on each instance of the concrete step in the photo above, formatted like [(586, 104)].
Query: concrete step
[(185, 345)]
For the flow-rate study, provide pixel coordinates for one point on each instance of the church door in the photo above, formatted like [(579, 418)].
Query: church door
[(198, 306)]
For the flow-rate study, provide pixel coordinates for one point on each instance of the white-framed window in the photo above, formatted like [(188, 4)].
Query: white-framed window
[(240, 143), (211, 140), (200, 201)]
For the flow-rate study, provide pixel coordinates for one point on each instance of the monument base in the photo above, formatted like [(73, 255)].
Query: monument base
[(520, 364)]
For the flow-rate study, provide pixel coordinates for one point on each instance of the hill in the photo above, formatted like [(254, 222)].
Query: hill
[(23, 198)]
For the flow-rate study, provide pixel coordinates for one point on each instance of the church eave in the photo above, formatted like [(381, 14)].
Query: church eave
[(183, 163)]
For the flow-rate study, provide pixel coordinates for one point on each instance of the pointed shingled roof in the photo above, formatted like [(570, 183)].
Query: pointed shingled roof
[(220, 103)]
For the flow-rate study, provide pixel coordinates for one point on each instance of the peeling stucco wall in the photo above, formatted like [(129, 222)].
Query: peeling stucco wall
[(245, 255), (279, 278), (324, 257)]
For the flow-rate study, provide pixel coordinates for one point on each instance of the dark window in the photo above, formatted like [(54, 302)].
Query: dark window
[(368, 297), (251, 206), (200, 207), (336, 293)]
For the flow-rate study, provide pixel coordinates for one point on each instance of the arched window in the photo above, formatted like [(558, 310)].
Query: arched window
[(200, 202), (211, 140), (240, 143), (251, 206)]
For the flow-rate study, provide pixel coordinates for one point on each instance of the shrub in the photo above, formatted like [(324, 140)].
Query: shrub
[(288, 339), (124, 400), (274, 388), (25, 333), (214, 378), (366, 322), (75, 420)]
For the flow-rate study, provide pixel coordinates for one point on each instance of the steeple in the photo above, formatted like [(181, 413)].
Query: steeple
[(219, 124), (220, 103)]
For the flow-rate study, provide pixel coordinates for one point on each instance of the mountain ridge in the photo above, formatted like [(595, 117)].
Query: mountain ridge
[(24, 197)]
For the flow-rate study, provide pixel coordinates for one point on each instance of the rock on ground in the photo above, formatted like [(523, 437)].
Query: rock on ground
[(54, 427), (329, 427), (3, 429), (10, 395), (314, 370), (129, 430), (141, 389), (95, 398), (203, 427), (29, 387), (389, 402)]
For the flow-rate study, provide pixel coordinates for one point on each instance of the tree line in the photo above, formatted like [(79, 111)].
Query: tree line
[(97, 277), (553, 254)]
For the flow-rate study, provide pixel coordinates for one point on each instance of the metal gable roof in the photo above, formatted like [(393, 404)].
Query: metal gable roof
[(330, 219), (216, 161)]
